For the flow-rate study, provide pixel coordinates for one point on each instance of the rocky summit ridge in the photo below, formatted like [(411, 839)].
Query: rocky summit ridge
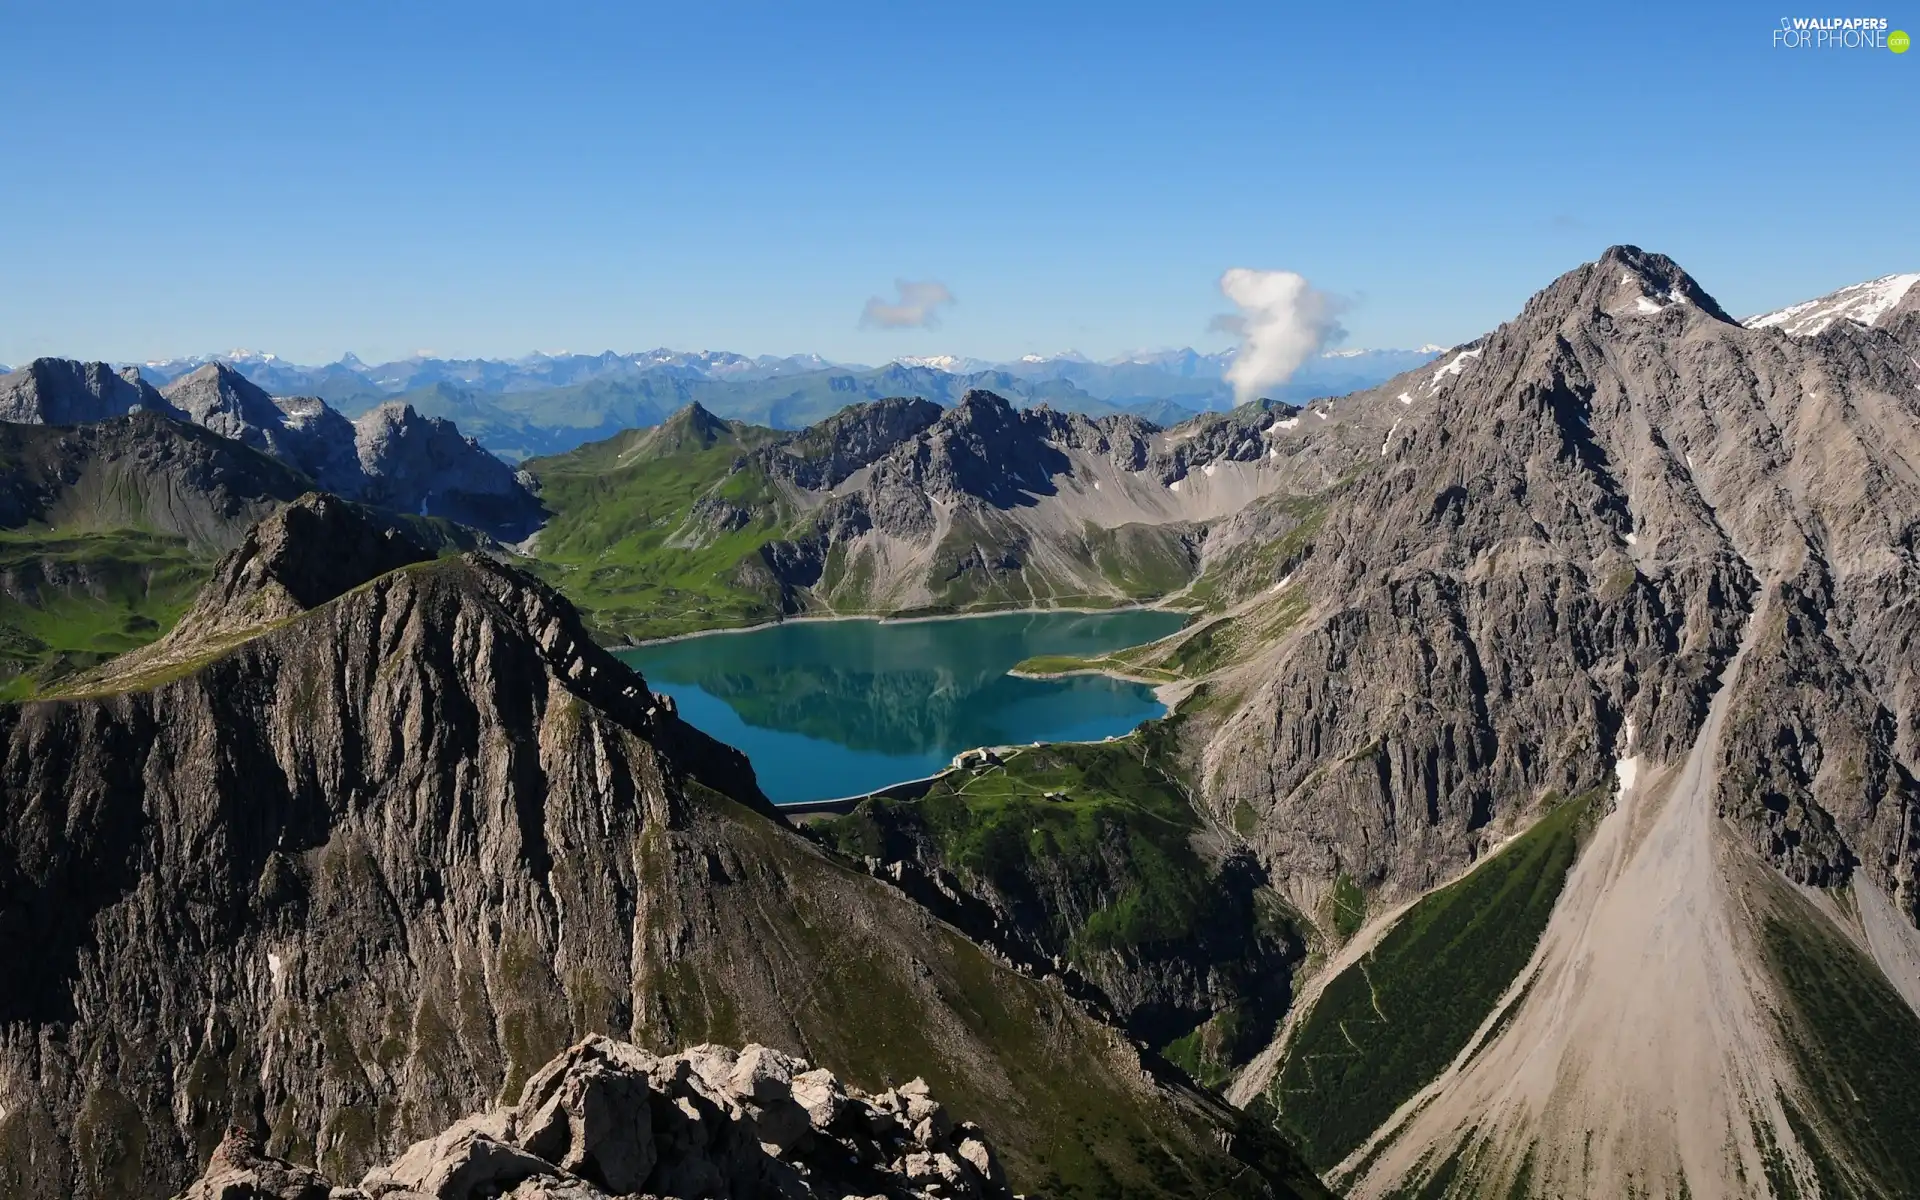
[(606, 1119)]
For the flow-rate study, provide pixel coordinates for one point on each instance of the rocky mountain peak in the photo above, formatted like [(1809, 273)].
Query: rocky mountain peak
[(823, 455), (227, 402), (392, 457), (1625, 281), (59, 391), (983, 408), (1877, 303), (314, 549), (694, 425)]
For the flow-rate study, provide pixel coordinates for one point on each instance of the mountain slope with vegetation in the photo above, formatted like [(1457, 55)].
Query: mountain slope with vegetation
[(373, 835), (108, 529), (892, 507)]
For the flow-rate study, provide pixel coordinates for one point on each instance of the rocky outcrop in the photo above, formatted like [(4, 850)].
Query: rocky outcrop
[(607, 1119), (392, 457)]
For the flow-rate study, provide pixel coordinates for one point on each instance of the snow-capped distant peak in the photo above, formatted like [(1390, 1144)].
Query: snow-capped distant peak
[(937, 362), (1865, 303), (1431, 348)]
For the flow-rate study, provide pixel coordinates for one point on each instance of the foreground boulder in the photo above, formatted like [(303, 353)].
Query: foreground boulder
[(608, 1119)]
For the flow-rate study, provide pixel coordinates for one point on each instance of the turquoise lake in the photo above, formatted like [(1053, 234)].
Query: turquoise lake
[(826, 709)]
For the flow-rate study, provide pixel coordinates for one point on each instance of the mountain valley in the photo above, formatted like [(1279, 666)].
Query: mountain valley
[(1535, 813)]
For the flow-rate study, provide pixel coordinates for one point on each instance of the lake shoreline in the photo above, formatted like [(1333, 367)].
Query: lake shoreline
[(885, 619), (830, 712)]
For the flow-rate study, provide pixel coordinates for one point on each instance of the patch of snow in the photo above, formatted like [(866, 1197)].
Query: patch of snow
[(1175, 485), (938, 362), (1289, 423), (1455, 365), (1627, 771), (1284, 581), (1405, 398), (1321, 413), (1648, 304), (1632, 540), (1273, 452), (273, 969), (1209, 469), (1864, 303), (1389, 441), (1096, 485)]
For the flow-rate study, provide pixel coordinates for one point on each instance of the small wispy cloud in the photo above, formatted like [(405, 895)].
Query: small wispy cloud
[(1282, 320), (918, 306)]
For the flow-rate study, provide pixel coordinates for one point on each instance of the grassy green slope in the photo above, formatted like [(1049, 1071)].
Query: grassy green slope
[(68, 601), (108, 529), (881, 999), (1856, 1045), (624, 545), (1091, 847), (1191, 653), (1389, 1024)]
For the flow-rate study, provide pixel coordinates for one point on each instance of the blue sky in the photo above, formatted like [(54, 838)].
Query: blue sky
[(474, 179)]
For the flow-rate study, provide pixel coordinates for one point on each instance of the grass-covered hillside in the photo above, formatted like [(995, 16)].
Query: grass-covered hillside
[(888, 507), (106, 532), (1389, 1023), (1093, 854), (69, 601), (654, 532)]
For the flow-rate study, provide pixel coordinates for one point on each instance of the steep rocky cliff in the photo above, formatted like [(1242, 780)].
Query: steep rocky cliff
[(58, 391), (1621, 548), (340, 868), (1538, 561)]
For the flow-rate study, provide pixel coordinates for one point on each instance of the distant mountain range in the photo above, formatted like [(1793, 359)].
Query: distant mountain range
[(392, 456), (551, 403)]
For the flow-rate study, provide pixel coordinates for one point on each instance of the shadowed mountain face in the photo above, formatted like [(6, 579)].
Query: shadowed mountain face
[(342, 867)]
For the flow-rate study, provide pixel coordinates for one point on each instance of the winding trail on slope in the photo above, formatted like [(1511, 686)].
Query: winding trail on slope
[(1637, 1047)]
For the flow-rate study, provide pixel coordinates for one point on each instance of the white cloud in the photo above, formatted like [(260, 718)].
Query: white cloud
[(918, 307), (1282, 322)]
